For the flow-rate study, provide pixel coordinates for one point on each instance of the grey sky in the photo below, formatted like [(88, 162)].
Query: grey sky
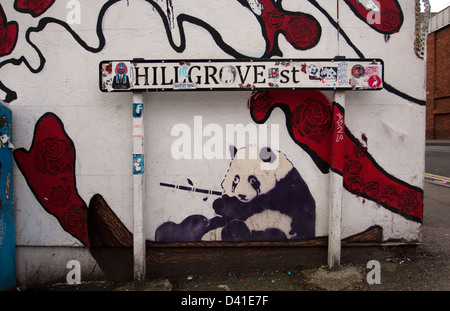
[(439, 5)]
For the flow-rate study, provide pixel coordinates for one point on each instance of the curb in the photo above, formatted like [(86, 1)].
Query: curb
[(437, 180), (437, 183)]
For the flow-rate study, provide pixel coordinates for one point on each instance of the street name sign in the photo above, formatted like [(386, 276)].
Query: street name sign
[(292, 74)]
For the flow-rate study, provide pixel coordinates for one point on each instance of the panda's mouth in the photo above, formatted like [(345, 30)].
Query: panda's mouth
[(243, 197)]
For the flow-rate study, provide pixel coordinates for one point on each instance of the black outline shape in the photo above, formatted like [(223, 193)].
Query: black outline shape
[(196, 21), (11, 95), (399, 93)]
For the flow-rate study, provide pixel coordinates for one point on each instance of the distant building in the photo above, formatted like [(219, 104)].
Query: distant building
[(438, 76)]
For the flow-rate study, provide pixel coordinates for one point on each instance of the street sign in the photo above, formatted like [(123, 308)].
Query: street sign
[(292, 74)]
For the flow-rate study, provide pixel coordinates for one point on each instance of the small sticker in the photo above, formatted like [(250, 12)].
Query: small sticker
[(185, 86), (274, 73), (328, 73), (137, 110), (313, 71), (121, 79), (227, 75), (138, 164), (358, 71), (374, 82)]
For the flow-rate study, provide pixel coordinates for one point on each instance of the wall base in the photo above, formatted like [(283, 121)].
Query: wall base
[(39, 266)]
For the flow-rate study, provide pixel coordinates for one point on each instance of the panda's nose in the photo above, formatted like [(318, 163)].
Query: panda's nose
[(242, 197)]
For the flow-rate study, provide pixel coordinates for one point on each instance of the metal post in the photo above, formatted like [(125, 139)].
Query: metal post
[(336, 192), (138, 185)]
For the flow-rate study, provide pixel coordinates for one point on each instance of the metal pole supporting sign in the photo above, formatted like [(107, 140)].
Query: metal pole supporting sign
[(138, 185), (336, 187)]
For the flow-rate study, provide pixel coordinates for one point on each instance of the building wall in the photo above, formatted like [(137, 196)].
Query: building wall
[(438, 84), (73, 143)]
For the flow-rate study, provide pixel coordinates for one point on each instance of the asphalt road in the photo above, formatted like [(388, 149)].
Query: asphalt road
[(437, 159)]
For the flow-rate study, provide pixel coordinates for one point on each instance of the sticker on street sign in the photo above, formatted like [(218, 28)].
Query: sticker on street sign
[(292, 74)]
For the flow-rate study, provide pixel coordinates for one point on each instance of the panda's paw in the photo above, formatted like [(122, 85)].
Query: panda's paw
[(270, 234), (236, 231)]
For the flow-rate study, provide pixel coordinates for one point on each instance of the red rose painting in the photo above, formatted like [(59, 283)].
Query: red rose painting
[(49, 169), (313, 119), (53, 156), (33, 7), (313, 123), (385, 17), (8, 34), (301, 30)]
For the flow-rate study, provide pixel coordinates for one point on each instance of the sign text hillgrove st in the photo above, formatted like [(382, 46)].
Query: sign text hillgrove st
[(146, 75)]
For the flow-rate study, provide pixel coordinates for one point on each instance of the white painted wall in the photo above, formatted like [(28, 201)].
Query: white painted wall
[(100, 123)]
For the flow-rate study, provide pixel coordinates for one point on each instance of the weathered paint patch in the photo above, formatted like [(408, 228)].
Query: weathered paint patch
[(7, 234)]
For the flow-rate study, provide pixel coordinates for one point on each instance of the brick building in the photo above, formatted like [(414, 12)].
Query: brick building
[(438, 76)]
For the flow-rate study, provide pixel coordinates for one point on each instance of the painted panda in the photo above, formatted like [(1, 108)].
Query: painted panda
[(264, 199)]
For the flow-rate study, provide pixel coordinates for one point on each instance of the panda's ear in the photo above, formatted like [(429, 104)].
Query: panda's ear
[(267, 155), (233, 151)]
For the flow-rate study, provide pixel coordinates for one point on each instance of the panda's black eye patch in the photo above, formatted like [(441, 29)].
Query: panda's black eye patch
[(255, 183), (267, 155), (236, 180)]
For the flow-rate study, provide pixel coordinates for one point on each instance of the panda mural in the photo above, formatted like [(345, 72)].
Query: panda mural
[(264, 199)]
